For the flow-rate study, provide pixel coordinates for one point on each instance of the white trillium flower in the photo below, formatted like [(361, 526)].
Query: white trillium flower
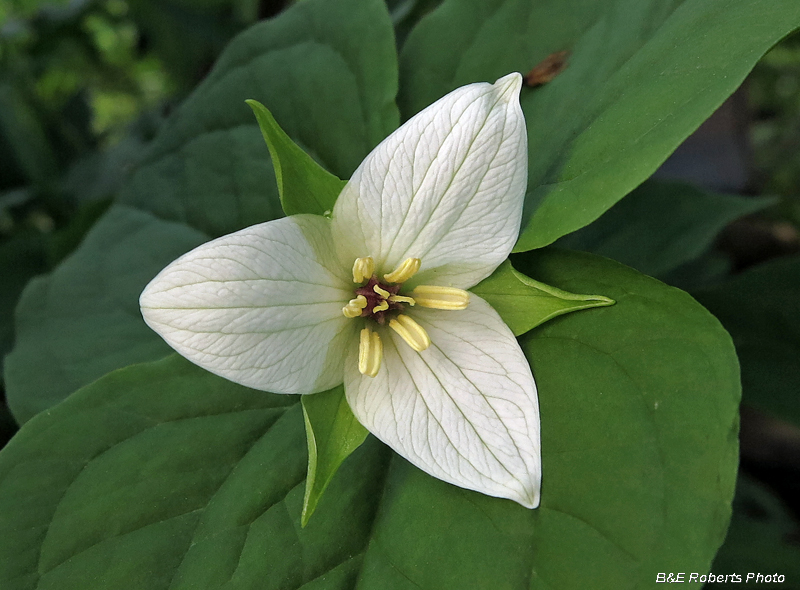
[(376, 297)]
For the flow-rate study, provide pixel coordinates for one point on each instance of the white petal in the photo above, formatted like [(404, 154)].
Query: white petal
[(447, 187), (261, 307), (464, 410)]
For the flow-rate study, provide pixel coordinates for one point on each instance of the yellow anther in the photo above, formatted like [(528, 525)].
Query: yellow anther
[(363, 269), (382, 306), (401, 299), (410, 331), (441, 297), (354, 307), (404, 272), (370, 353), (382, 292)]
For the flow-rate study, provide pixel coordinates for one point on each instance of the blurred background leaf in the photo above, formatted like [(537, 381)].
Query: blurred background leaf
[(662, 226), (761, 310), (762, 537), (774, 90)]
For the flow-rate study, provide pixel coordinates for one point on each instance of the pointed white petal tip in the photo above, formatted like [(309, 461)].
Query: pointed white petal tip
[(509, 85), (529, 500), (525, 489)]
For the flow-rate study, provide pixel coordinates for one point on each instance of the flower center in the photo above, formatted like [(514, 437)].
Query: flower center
[(381, 301)]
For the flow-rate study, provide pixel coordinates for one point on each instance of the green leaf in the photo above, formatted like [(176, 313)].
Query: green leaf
[(82, 320), (524, 303), (332, 434), (760, 309), (406, 14), (759, 538), (661, 226), (303, 185), (66, 240), (642, 75), (333, 96), (99, 175), (209, 169), (197, 481), (647, 386), (27, 254)]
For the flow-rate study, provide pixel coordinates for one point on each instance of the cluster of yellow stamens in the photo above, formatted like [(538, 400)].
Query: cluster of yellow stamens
[(381, 301)]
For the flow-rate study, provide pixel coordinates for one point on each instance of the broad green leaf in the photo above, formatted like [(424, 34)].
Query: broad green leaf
[(332, 434), (662, 225), (639, 443), (25, 255), (99, 175), (524, 303), (82, 320), (197, 482), (209, 167), (303, 185), (761, 310), (760, 536), (66, 240), (406, 14), (642, 75)]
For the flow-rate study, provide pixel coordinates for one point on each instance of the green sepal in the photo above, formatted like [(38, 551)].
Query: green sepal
[(332, 433), (524, 303), (303, 185)]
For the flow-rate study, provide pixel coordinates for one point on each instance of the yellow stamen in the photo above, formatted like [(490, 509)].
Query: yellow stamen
[(410, 331), (363, 269), (382, 292), (441, 297), (405, 271), (354, 307), (401, 299), (382, 306), (370, 353)]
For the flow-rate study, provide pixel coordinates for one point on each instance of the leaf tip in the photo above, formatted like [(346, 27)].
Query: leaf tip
[(254, 105), (601, 300), (305, 516)]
